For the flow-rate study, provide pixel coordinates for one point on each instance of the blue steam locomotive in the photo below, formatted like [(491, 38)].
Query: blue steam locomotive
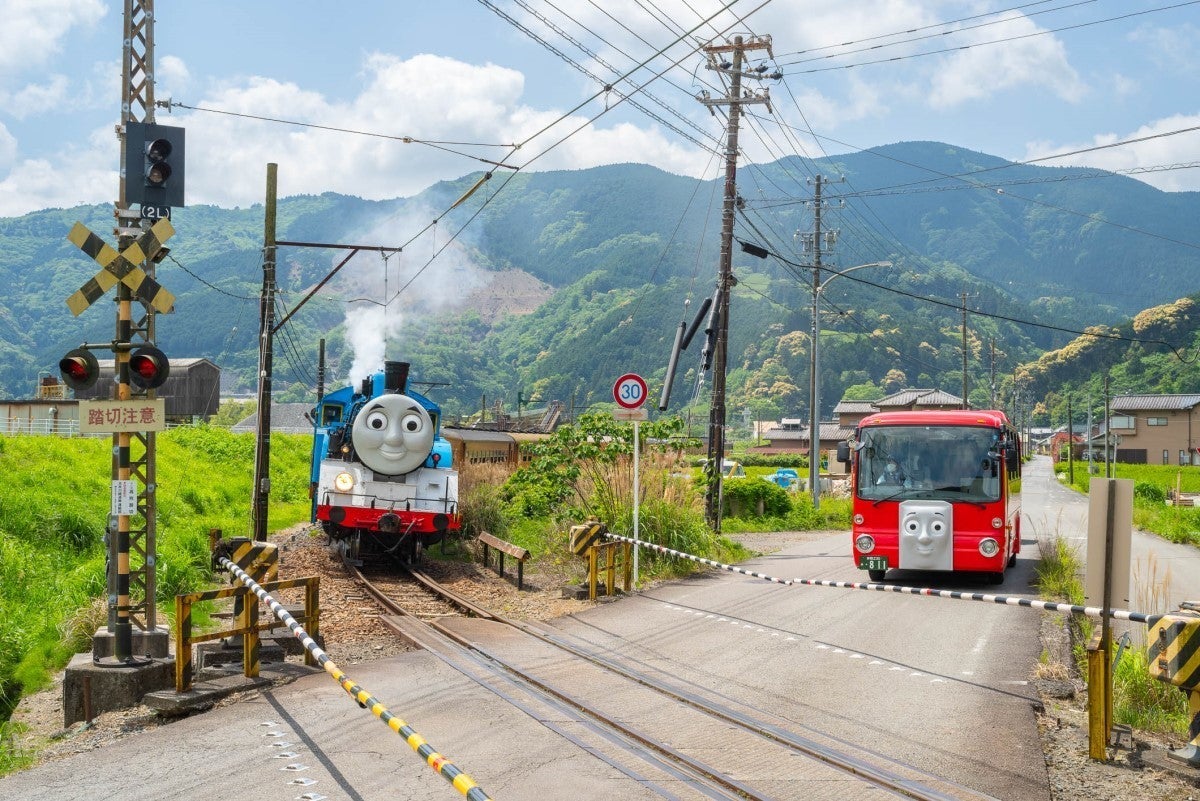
[(382, 479)]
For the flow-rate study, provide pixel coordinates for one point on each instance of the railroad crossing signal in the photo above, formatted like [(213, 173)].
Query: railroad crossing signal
[(148, 367), (153, 164), (79, 368), (122, 267)]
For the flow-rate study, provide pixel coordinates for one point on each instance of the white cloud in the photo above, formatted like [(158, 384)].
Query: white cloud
[(171, 75), (984, 70), (427, 98), (33, 30), (34, 98), (1160, 150), (1173, 49)]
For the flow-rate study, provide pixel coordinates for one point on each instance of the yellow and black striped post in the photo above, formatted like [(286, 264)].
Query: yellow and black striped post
[(1174, 656), (260, 560), (585, 535)]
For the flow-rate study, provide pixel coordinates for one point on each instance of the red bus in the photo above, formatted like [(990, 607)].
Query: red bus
[(933, 491)]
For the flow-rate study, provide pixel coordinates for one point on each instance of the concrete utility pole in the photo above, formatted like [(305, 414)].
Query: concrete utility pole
[(716, 425), (821, 243), (266, 358), (965, 403)]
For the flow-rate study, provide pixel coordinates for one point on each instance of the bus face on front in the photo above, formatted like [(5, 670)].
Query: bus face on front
[(931, 493)]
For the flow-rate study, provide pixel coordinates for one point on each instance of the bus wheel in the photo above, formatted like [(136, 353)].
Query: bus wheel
[(876, 575), (1012, 560), (996, 578)]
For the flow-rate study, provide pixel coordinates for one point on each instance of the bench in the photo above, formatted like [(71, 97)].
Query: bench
[(502, 548)]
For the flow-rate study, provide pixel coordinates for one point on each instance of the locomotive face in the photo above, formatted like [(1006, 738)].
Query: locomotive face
[(925, 535), (393, 434)]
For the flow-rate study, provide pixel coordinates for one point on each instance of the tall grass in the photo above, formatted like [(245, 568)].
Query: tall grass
[(53, 511), (1139, 699)]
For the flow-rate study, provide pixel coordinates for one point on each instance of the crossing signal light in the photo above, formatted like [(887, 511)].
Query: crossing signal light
[(79, 368), (148, 367), (153, 164)]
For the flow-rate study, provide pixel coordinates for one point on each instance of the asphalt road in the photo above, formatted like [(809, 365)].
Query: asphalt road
[(939, 684), (1162, 573)]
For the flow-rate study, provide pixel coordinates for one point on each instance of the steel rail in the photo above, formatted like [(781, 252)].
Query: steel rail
[(877, 775)]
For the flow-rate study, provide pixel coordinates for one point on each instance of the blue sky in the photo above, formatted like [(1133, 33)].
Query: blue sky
[(1014, 79)]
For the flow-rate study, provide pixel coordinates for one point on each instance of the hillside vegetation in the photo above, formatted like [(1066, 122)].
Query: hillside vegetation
[(564, 280)]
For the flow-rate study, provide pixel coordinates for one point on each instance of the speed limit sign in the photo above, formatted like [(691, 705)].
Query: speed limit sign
[(630, 391)]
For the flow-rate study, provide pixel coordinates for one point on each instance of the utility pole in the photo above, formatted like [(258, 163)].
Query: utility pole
[(266, 359), (992, 405), (818, 242), (965, 403), (1070, 443), (716, 422)]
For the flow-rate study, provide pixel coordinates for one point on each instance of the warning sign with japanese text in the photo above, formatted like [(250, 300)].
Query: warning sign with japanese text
[(111, 417)]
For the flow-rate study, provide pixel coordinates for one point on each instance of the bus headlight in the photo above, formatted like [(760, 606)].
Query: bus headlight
[(989, 547), (865, 543), (997, 523), (343, 482)]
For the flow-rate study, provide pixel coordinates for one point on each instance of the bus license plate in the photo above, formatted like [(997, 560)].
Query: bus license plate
[(873, 563)]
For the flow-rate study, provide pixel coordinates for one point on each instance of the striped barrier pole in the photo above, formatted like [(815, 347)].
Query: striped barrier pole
[(1007, 600), (461, 781), (731, 568)]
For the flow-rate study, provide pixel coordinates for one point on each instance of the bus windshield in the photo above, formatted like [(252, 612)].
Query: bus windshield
[(956, 463)]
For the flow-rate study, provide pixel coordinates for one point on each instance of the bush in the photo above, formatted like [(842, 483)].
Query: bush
[(753, 497), (1149, 492)]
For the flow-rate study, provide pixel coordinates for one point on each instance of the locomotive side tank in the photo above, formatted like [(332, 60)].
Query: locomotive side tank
[(382, 479)]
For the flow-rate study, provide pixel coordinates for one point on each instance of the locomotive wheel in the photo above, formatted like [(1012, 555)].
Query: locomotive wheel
[(876, 575)]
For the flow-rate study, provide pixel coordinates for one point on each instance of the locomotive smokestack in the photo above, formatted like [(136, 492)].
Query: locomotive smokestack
[(395, 376)]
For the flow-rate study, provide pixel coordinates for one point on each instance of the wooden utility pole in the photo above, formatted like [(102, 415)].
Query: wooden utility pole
[(735, 99)]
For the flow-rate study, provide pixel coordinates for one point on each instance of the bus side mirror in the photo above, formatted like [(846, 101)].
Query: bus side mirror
[(843, 452)]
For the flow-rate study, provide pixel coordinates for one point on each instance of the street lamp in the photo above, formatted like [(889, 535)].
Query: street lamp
[(814, 418)]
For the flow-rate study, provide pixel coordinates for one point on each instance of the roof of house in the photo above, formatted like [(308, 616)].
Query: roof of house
[(286, 418), (923, 397), (1139, 403), (854, 407)]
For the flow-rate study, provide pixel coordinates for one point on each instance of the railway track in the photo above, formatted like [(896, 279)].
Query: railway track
[(605, 696)]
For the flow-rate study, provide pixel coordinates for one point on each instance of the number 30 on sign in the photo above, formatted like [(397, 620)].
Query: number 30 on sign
[(630, 391)]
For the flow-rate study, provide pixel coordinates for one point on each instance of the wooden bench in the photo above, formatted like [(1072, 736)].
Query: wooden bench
[(502, 547)]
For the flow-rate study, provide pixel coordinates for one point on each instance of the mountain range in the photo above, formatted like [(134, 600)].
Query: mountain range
[(525, 288)]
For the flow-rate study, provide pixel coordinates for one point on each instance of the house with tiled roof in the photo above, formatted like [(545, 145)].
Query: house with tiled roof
[(1155, 429), (790, 435)]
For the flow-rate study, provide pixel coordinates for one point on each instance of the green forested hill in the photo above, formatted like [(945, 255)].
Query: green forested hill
[(622, 248)]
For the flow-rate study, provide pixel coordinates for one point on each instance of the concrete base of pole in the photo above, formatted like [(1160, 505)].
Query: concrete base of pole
[(154, 644), (110, 688)]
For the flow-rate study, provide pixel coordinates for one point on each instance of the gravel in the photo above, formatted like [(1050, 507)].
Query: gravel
[(353, 634)]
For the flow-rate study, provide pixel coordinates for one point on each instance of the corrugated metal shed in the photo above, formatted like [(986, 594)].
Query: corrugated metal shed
[(192, 390)]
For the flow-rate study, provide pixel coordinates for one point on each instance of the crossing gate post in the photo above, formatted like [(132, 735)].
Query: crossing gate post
[(1174, 657), (260, 560)]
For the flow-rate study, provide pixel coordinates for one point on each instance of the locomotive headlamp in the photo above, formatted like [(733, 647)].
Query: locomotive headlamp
[(989, 547), (343, 482), (997, 523), (865, 543)]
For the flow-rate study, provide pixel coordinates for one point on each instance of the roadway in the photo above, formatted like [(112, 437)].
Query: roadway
[(1162, 573), (938, 684)]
